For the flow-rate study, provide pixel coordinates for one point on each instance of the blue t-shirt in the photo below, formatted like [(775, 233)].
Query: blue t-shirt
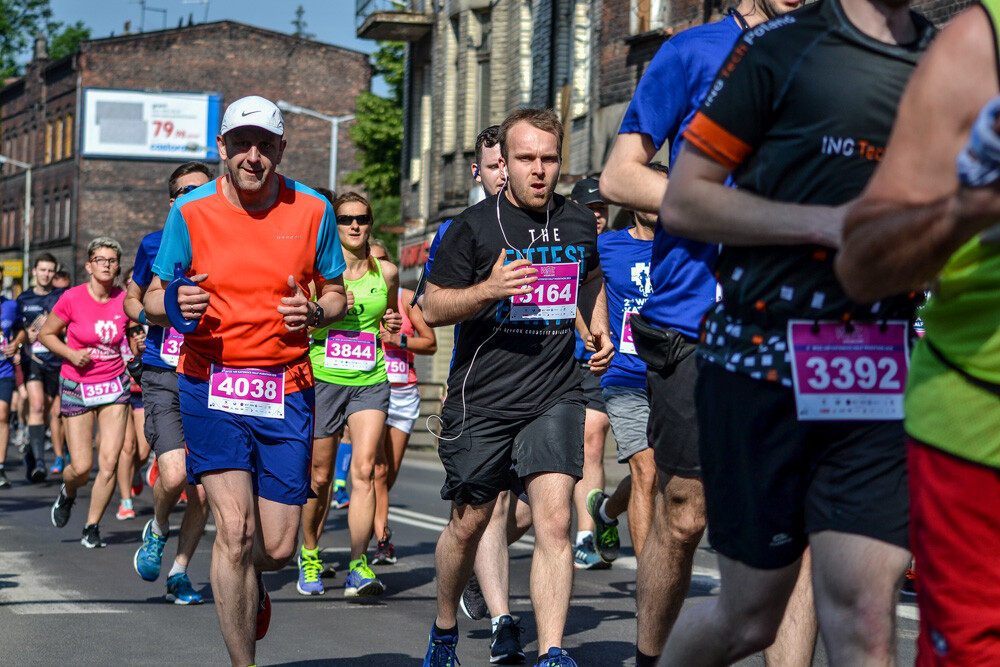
[(666, 99), (9, 323), (143, 275), (626, 264), (435, 242)]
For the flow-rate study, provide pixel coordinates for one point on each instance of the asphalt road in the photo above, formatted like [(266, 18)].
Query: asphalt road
[(62, 604)]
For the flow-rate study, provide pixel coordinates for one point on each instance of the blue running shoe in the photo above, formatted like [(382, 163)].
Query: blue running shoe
[(180, 590), (585, 556), (361, 581), (441, 650), (556, 657), (341, 498), (58, 466), (148, 556), (310, 571)]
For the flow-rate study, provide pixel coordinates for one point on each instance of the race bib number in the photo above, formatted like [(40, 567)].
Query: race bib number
[(397, 366), (351, 350), (842, 375), (255, 392), (170, 350), (553, 296), (627, 345), (100, 393), (37, 349)]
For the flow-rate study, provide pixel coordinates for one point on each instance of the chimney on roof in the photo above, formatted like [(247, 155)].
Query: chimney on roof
[(41, 47)]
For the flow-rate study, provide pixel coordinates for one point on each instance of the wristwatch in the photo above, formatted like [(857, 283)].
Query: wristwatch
[(402, 341), (317, 317)]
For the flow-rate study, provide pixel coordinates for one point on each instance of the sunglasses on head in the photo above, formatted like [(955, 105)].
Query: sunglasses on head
[(364, 219), (182, 191)]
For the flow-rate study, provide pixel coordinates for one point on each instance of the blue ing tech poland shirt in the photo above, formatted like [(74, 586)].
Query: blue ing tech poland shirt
[(143, 275), (626, 264), (9, 323), (666, 99)]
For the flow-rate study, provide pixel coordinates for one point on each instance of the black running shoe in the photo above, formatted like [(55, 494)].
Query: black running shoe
[(4, 482), (61, 508), (92, 537), (473, 603), (39, 473), (505, 647)]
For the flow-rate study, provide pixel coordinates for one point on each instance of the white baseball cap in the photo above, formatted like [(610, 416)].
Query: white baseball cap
[(253, 111)]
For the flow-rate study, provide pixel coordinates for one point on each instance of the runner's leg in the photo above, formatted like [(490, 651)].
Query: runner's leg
[(595, 433), (110, 439), (192, 525), (125, 471), (454, 557), (79, 441), (796, 641), (366, 433), (313, 515), (492, 564)]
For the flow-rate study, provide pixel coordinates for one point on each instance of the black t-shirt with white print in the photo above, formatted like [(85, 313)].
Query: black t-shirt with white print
[(521, 368)]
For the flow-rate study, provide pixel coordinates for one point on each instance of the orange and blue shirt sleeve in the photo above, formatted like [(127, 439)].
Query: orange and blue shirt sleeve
[(329, 255), (739, 107), (175, 247)]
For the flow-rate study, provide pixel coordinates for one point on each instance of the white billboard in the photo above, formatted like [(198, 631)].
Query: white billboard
[(150, 125)]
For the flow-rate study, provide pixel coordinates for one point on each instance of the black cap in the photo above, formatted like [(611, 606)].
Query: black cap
[(586, 192)]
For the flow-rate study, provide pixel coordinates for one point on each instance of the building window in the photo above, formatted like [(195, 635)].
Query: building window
[(67, 211), (48, 142), (646, 15), (483, 97), (450, 101), (524, 43), (581, 59), (68, 136), (58, 141)]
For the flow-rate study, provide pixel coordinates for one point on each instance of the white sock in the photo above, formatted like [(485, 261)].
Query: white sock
[(177, 569), (604, 515), (158, 529), (495, 621), (581, 535)]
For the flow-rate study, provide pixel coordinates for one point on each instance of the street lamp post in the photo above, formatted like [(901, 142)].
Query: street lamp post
[(27, 214), (334, 121)]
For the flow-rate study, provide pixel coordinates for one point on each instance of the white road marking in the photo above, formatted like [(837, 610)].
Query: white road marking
[(437, 524), (26, 591)]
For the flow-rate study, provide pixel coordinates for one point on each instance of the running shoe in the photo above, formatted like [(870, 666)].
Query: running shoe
[(341, 498), (4, 482), (385, 553), (441, 650), (180, 590), (125, 510), (39, 473), (310, 570), (607, 542), (556, 657), (61, 508), (137, 483), (92, 537), (148, 556), (586, 558), (58, 466), (152, 472), (29, 464), (505, 646), (473, 603), (263, 608), (361, 581)]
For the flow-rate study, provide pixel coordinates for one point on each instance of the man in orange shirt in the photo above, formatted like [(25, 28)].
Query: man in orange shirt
[(251, 241)]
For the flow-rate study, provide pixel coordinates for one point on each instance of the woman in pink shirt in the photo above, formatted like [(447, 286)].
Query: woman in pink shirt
[(92, 381)]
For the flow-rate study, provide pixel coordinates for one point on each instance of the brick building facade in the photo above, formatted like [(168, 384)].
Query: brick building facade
[(77, 198)]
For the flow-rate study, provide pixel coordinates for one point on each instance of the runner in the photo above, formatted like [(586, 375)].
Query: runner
[(9, 323), (626, 256), (684, 286), (42, 367), (351, 387), (92, 382), (244, 380), (134, 439), (414, 337), (595, 428), (162, 428), (776, 350), (514, 376), (919, 222)]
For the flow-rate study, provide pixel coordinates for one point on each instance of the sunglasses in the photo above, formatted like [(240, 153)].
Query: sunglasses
[(183, 191), (360, 219)]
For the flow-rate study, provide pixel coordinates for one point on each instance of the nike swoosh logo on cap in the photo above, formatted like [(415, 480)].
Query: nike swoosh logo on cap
[(591, 190), (247, 113)]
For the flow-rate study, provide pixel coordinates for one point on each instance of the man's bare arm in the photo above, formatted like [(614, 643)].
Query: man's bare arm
[(627, 179), (913, 215), (133, 301), (700, 206), (446, 305), (593, 308)]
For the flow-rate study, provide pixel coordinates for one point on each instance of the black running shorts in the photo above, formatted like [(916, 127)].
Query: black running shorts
[(771, 481)]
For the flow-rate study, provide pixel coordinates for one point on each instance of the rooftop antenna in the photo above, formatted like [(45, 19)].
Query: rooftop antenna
[(142, 14), (200, 2)]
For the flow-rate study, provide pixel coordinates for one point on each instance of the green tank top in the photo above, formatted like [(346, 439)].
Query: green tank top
[(961, 321), (371, 297)]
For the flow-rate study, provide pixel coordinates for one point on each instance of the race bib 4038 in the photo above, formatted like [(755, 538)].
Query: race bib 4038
[(255, 392), (843, 373)]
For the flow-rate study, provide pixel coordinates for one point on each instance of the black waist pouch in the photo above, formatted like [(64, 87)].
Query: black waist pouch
[(661, 349)]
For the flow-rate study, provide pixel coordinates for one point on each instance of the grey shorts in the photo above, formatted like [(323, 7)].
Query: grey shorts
[(336, 402), (477, 462), (163, 428), (628, 411)]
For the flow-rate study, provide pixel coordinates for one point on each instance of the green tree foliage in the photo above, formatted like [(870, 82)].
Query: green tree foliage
[(20, 21), (64, 41), (378, 136)]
